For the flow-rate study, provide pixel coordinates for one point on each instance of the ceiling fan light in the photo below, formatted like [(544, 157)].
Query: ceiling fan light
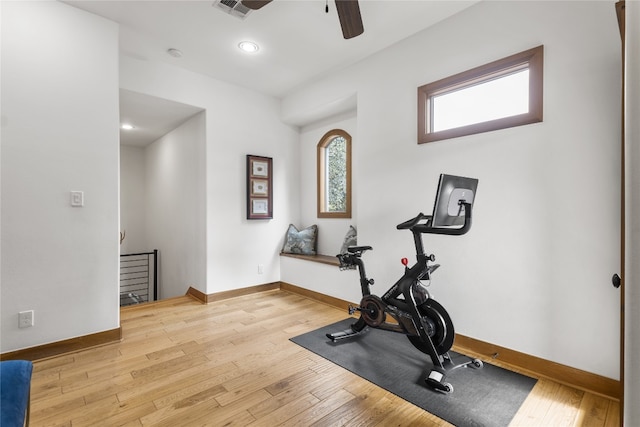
[(249, 47)]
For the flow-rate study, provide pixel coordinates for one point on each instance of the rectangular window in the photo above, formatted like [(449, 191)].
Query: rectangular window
[(498, 95)]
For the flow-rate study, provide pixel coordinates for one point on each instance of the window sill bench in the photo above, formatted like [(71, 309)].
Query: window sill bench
[(323, 259)]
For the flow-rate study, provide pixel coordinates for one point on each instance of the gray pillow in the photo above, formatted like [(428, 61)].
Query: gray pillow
[(350, 239), (300, 242)]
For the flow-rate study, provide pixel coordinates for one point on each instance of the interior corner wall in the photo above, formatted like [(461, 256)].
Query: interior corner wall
[(238, 122), (331, 231), (174, 207), (59, 81), (538, 261), (132, 199), (326, 279)]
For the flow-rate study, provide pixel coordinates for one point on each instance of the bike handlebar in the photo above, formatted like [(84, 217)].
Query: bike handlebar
[(413, 224), (413, 221)]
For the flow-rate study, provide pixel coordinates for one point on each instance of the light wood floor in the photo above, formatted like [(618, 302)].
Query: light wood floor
[(231, 363)]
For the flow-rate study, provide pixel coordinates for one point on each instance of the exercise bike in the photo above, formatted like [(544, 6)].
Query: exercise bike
[(422, 319)]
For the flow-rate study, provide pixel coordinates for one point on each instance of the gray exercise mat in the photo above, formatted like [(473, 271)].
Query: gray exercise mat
[(489, 396)]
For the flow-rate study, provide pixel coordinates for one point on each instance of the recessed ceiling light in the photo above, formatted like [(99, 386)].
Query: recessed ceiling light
[(175, 53), (249, 47), (127, 126)]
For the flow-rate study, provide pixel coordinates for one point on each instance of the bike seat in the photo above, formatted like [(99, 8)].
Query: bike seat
[(356, 249)]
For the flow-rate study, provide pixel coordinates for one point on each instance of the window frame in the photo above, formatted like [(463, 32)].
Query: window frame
[(321, 177), (533, 59)]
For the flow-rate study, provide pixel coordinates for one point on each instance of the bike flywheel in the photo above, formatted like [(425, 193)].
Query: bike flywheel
[(439, 328), (372, 310)]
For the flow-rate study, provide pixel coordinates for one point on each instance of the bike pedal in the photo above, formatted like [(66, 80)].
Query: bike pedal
[(353, 309)]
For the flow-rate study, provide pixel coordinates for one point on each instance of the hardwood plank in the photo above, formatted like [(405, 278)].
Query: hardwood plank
[(168, 367), (564, 408), (177, 385), (230, 362), (536, 405), (321, 409), (238, 419), (613, 415), (375, 412), (302, 384), (44, 411), (285, 412), (257, 379), (593, 411), (210, 415), (364, 392), (411, 416)]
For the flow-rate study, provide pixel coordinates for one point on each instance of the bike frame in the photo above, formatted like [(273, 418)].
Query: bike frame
[(405, 311)]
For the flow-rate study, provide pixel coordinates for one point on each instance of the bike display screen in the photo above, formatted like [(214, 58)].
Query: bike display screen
[(447, 209)]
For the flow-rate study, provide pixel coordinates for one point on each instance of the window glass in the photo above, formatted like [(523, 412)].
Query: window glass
[(334, 175), (501, 97)]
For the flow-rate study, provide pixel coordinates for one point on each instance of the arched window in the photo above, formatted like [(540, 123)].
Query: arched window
[(334, 175)]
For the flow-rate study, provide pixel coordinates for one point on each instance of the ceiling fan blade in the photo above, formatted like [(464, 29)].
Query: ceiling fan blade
[(350, 18), (255, 4)]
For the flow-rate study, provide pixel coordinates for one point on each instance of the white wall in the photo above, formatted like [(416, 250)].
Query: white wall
[(537, 263), (133, 199), (238, 122), (59, 133), (175, 206)]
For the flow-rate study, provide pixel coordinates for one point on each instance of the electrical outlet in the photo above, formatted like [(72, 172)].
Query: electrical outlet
[(25, 319), (77, 199), (260, 268)]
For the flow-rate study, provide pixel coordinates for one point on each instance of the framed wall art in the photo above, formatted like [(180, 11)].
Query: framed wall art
[(259, 187)]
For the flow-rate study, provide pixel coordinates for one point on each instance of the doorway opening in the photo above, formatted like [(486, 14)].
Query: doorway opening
[(162, 198)]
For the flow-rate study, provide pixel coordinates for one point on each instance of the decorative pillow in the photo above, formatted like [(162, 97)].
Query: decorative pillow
[(350, 239), (300, 242)]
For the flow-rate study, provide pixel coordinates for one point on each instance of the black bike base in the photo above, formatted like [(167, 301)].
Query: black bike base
[(436, 381), (436, 377), (347, 333)]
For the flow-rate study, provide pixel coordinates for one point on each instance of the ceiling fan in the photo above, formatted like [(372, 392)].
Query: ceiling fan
[(348, 13)]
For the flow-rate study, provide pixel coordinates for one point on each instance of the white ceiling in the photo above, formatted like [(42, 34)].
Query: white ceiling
[(298, 41), (152, 117)]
